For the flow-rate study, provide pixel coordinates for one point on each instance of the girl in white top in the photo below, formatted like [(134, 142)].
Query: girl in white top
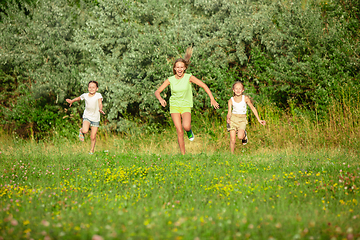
[(91, 116), (236, 119)]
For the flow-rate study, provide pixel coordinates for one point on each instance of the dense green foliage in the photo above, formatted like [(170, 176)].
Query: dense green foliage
[(286, 52)]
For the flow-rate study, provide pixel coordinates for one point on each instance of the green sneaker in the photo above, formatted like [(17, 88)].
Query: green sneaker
[(190, 135)]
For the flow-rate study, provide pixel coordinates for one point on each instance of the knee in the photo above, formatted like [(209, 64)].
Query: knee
[(84, 131), (180, 131), (93, 138), (187, 127), (233, 139), (241, 136)]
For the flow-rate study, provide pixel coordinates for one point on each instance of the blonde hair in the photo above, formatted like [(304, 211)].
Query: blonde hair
[(185, 60), (242, 85), (237, 82)]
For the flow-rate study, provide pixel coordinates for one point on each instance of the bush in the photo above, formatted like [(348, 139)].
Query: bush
[(302, 53)]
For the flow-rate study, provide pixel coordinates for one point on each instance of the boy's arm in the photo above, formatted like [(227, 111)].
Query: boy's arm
[(207, 90), (229, 111), (253, 109), (71, 101), (101, 106)]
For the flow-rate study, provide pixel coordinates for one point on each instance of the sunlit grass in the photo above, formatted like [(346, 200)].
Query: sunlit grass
[(292, 130), (295, 179), (64, 195)]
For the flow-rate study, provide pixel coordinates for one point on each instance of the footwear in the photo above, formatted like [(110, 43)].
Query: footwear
[(81, 135), (245, 140), (91, 153), (190, 135)]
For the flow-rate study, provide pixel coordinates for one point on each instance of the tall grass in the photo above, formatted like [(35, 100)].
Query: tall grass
[(295, 129)]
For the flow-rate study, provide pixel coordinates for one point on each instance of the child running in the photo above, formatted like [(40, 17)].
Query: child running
[(181, 100), (91, 116), (236, 119)]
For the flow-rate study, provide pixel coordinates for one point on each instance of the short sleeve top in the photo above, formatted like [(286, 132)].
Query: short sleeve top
[(91, 106)]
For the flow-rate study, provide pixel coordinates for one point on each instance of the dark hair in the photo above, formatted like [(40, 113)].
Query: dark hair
[(185, 60), (97, 85)]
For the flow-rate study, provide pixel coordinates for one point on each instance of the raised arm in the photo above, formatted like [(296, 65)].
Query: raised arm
[(71, 101), (253, 109), (159, 90), (207, 90)]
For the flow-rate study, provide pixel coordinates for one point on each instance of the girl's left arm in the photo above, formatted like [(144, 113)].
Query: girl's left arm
[(253, 109), (101, 106), (207, 90)]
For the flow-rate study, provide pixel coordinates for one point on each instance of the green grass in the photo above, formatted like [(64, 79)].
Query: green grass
[(297, 178), (58, 193)]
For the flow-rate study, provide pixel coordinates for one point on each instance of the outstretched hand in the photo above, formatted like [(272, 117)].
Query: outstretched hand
[(214, 104), (69, 101), (262, 122), (162, 102)]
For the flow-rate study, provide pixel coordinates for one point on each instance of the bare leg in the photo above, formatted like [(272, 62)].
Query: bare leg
[(93, 138), (232, 140), (241, 134), (176, 117), (85, 127), (186, 121)]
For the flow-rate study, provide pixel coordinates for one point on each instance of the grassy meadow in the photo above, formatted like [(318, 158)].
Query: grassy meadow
[(297, 178)]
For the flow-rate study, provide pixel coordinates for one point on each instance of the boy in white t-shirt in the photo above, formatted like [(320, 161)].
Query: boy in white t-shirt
[(91, 116)]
